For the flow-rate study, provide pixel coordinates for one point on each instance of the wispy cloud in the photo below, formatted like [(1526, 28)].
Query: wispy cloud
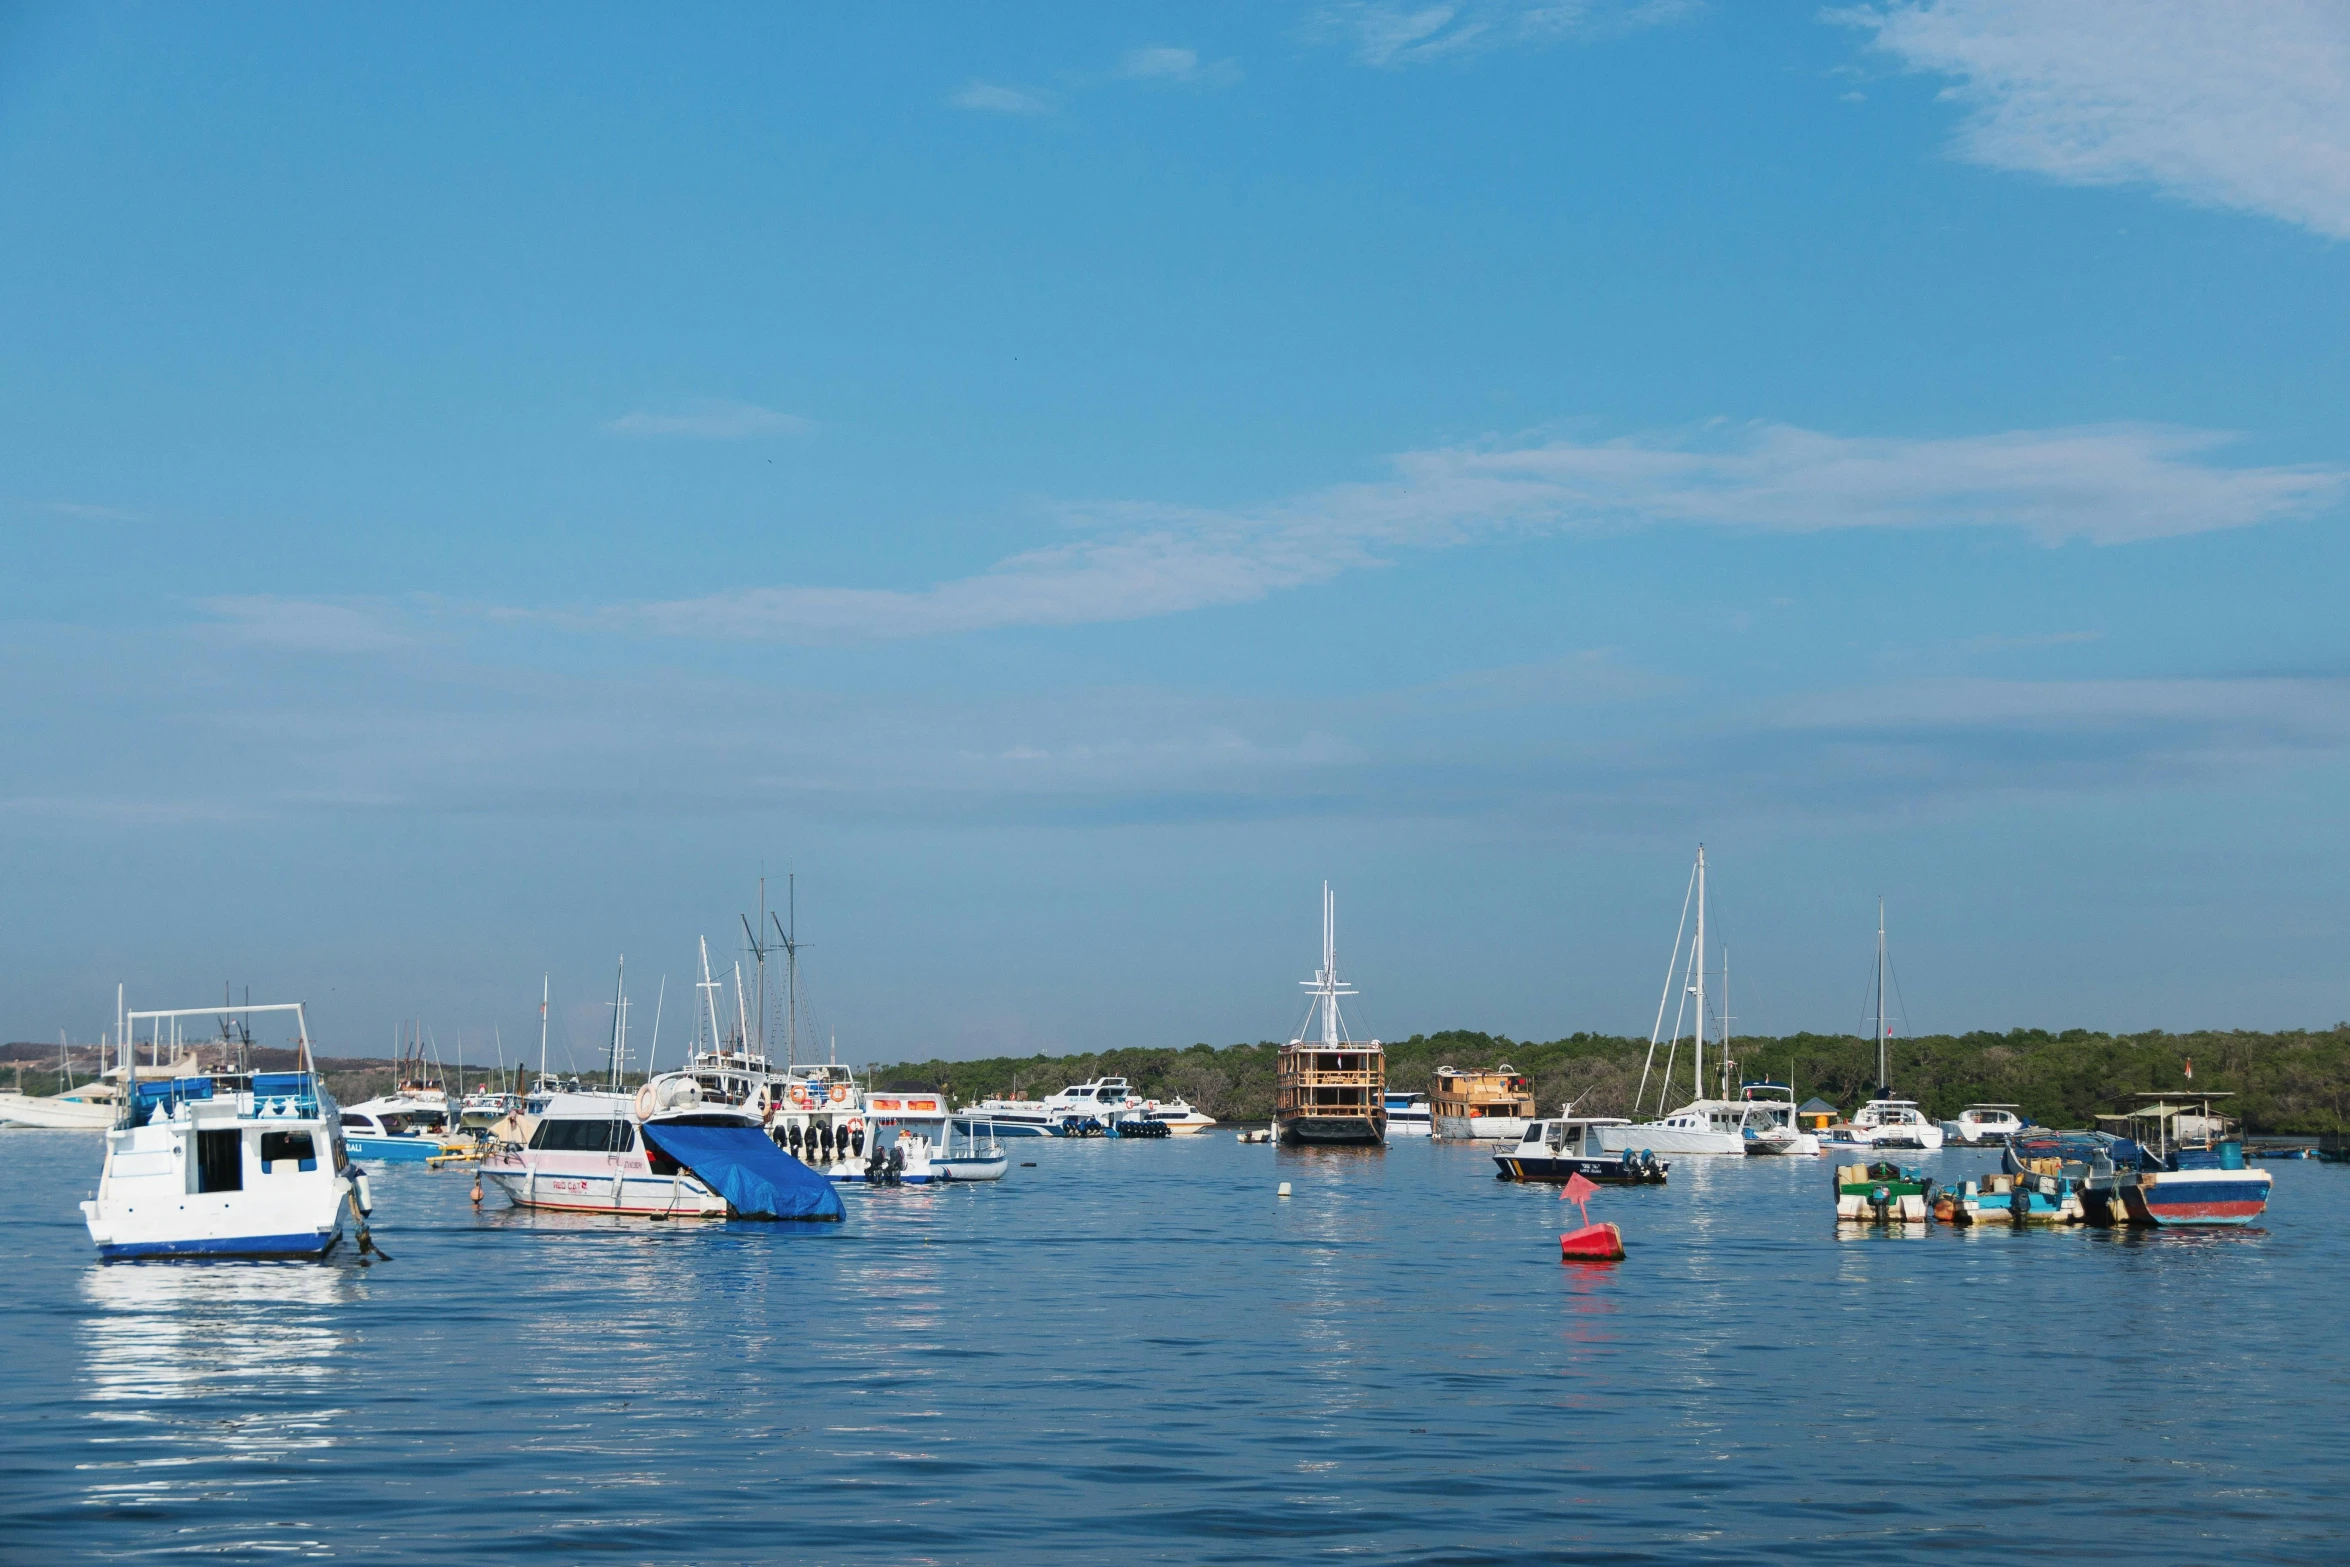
[(2107, 484), (1166, 64), (990, 98), (84, 511), (1384, 33), (2232, 105), (706, 419), (311, 625)]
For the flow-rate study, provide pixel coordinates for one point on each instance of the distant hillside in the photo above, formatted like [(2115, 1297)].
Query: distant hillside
[(2285, 1082)]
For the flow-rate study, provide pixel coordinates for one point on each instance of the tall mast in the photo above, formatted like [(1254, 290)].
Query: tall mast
[(619, 1020), (791, 971), (709, 1008), (1329, 968), (1725, 1038), (1882, 1087), (546, 989), (1698, 964)]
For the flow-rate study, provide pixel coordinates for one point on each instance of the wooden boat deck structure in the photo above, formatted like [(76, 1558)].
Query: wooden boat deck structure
[(1501, 1095)]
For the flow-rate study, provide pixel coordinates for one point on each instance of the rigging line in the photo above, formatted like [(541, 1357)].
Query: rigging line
[(1670, 962), (1664, 1086)]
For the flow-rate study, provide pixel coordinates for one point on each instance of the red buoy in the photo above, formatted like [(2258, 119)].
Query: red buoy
[(1592, 1243)]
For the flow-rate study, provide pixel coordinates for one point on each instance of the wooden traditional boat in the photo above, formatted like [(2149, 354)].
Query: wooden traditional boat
[(1493, 1105), (1332, 1089)]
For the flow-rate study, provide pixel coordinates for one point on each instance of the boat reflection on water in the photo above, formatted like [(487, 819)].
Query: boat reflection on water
[(175, 1356)]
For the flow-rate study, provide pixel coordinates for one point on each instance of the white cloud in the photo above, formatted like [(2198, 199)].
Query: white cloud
[(1163, 63), (1383, 33), (706, 419), (2106, 484), (989, 98), (2235, 105)]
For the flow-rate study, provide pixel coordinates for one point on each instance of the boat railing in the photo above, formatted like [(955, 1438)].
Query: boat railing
[(1319, 1078)]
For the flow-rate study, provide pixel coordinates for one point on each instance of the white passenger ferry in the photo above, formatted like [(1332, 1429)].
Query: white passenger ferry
[(225, 1165)]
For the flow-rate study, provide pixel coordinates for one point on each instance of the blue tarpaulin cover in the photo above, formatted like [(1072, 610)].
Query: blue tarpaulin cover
[(743, 1165)]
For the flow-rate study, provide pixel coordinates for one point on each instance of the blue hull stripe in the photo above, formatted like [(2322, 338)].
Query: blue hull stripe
[(393, 1150), (308, 1245)]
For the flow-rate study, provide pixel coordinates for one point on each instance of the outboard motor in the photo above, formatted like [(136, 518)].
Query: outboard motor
[(857, 1138)]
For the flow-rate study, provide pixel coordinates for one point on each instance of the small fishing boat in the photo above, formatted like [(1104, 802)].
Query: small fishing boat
[(1330, 1090), (1983, 1126), (976, 1160), (2011, 1199), (1572, 1145), (226, 1165), (2193, 1171), (1882, 1193), (1409, 1115)]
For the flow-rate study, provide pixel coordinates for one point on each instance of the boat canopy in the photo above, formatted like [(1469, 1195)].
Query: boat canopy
[(743, 1165)]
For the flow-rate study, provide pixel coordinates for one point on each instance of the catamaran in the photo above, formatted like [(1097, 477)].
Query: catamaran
[(1705, 1125), (225, 1164), (1887, 1121)]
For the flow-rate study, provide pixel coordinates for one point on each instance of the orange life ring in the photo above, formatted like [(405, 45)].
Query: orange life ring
[(799, 1094), (840, 1093), (856, 1124)]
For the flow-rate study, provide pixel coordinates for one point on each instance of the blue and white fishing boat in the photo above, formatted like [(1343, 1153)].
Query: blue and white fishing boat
[(225, 1164), (2193, 1172)]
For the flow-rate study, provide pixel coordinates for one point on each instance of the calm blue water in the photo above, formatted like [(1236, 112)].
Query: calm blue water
[(1136, 1351)]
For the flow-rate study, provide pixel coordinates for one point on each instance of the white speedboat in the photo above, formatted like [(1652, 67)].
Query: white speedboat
[(1081, 1109), (226, 1165), (1770, 1125), (981, 1158), (1979, 1126), (407, 1126), (662, 1152), (1409, 1115), (1177, 1116)]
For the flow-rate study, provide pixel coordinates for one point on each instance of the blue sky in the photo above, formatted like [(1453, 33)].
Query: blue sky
[(479, 488)]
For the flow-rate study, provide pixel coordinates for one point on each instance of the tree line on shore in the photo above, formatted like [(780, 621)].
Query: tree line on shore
[(2292, 1081)]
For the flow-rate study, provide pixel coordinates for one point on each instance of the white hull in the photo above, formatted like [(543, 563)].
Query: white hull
[(1482, 1128), (630, 1196), (1800, 1145), (55, 1113), (1397, 1126), (1915, 1139), (1652, 1138)]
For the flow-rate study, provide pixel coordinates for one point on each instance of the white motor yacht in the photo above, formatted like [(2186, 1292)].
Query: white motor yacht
[(1178, 1116), (225, 1165)]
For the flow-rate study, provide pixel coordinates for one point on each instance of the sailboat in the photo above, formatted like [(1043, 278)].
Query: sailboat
[(1887, 1121), (1706, 1124), (1332, 1089)]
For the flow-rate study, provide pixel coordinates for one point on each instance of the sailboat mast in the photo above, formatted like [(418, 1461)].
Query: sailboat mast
[(1697, 964), (1881, 1073), (546, 989), (1329, 968), (791, 973), (619, 1011)]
